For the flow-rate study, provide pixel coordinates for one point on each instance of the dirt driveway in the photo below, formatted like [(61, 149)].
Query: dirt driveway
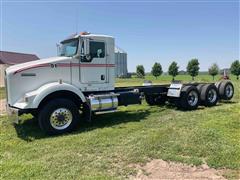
[(159, 169)]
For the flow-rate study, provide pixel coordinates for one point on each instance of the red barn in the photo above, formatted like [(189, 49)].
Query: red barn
[(11, 58)]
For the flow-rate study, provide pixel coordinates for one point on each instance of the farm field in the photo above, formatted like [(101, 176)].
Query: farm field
[(165, 79), (134, 135)]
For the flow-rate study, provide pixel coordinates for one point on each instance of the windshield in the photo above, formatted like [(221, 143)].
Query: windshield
[(69, 48)]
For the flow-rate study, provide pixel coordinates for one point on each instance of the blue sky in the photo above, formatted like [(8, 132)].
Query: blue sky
[(149, 31)]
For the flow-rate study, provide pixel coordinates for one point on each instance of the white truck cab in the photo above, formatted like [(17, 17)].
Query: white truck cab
[(86, 63)]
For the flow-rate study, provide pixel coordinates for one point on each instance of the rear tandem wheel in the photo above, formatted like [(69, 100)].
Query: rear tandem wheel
[(209, 95), (189, 99), (225, 90)]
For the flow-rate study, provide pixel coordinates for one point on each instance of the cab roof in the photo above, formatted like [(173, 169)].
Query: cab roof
[(85, 34)]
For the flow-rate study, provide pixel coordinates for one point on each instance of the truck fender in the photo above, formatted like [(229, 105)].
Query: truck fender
[(49, 88)]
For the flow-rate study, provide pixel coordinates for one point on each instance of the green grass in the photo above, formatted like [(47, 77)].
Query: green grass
[(2, 93), (135, 134)]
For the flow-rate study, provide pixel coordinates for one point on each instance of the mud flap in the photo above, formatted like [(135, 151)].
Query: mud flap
[(175, 90), (87, 112)]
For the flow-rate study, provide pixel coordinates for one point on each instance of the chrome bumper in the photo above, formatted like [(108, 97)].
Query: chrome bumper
[(13, 114)]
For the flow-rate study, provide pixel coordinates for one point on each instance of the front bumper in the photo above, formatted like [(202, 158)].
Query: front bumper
[(13, 114)]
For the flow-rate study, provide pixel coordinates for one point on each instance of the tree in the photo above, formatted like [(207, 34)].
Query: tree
[(157, 70), (140, 71), (193, 68), (173, 70), (235, 68), (213, 70)]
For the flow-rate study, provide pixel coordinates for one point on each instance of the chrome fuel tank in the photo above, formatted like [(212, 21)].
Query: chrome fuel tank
[(103, 102)]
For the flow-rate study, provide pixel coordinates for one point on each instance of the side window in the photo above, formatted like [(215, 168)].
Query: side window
[(97, 49)]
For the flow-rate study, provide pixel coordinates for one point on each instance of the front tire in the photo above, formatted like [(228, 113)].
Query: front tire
[(58, 116)]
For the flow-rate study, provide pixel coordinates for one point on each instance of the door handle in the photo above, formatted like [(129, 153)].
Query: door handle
[(102, 77)]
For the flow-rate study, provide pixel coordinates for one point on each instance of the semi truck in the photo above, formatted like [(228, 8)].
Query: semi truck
[(62, 91)]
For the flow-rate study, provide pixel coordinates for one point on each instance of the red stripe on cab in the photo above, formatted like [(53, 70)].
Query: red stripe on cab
[(31, 67), (65, 65)]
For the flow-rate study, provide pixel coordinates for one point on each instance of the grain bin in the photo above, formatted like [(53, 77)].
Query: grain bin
[(120, 62)]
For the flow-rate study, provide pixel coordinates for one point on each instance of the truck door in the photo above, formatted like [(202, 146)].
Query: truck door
[(94, 69)]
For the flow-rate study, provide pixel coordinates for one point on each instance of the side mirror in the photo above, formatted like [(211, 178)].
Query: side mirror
[(86, 58)]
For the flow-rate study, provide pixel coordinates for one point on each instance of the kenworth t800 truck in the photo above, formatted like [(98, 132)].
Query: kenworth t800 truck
[(61, 91)]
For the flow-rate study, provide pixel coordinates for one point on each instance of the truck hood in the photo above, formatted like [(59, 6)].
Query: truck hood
[(27, 65)]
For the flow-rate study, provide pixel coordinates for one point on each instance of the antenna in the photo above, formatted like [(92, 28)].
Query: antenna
[(76, 19)]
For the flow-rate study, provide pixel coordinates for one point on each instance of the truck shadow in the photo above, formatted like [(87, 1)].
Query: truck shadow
[(222, 102), (112, 119), (29, 130), (201, 106)]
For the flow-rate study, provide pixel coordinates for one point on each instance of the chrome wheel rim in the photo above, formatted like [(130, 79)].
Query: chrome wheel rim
[(192, 98), (229, 90), (212, 95), (61, 118)]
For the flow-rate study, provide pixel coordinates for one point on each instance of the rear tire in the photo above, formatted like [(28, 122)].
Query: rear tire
[(58, 116), (209, 95), (217, 84), (226, 90), (189, 99), (199, 87)]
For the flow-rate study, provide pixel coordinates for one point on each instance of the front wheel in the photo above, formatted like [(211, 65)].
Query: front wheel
[(58, 116)]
